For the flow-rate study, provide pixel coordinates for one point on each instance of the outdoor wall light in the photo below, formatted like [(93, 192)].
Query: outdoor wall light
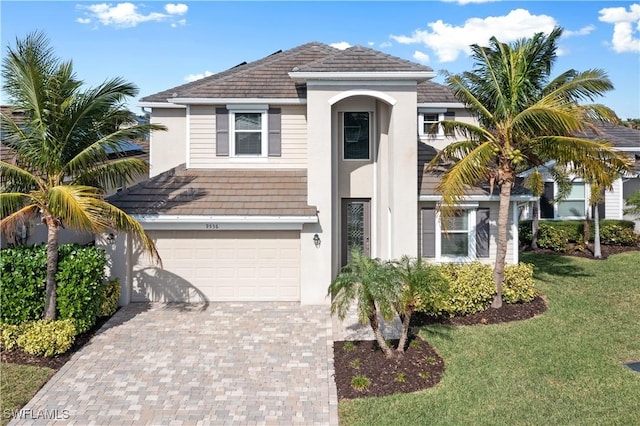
[(111, 240), (316, 240)]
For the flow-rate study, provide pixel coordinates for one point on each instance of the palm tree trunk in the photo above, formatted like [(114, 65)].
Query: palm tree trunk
[(52, 268), (597, 252), (375, 326), (406, 320), (501, 253), (534, 224)]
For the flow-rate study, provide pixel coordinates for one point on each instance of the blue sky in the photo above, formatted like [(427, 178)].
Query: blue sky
[(158, 45)]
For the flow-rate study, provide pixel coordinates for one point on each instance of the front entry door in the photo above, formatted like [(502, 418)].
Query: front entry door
[(356, 227)]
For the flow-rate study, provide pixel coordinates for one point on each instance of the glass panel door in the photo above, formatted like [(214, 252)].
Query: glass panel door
[(355, 227)]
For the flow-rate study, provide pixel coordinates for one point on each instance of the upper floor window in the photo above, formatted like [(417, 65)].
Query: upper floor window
[(429, 119), (248, 130), (356, 140)]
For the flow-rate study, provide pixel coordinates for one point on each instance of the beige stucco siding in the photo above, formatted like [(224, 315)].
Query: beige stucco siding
[(202, 137), (167, 149)]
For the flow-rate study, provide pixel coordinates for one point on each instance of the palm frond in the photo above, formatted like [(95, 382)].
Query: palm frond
[(17, 217), (112, 174), (471, 169), (11, 202), (15, 178)]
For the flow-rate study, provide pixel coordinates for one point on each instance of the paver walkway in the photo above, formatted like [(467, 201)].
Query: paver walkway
[(225, 363)]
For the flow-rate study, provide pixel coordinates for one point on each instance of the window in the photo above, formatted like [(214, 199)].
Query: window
[(575, 203), (465, 235), (248, 130), (454, 238), (429, 117), (356, 126)]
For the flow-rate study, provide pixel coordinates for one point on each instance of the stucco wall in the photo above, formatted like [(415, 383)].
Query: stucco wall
[(167, 149)]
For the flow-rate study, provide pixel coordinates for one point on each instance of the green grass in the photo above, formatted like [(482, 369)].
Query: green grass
[(18, 384), (563, 367)]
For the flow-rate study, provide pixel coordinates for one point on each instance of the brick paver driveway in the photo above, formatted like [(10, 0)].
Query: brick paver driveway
[(226, 363)]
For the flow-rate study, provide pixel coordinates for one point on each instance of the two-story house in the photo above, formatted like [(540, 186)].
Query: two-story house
[(271, 172)]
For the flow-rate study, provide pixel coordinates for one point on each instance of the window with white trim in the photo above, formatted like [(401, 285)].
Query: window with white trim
[(463, 236), (428, 117), (575, 204), (248, 131), (455, 235)]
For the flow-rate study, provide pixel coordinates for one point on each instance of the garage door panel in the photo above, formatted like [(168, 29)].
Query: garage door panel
[(221, 266)]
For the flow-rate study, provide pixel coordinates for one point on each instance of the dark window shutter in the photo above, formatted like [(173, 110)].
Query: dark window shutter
[(274, 132), (222, 132), (546, 206), (428, 233), (482, 232), (450, 116)]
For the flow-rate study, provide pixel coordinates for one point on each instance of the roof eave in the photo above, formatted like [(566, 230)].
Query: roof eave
[(518, 197), (220, 101)]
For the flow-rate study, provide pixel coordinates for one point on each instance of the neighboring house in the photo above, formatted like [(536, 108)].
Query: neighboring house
[(271, 172), (35, 232), (575, 206)]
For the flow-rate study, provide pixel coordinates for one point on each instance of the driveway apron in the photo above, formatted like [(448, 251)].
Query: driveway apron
[(223, 363)]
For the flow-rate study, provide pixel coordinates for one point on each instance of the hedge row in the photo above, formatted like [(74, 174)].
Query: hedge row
[(48, 338), (81, 291), (471, 288), (556, 235)]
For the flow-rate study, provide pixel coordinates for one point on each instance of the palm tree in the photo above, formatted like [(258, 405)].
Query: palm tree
[(423, 287), (524, 118), (63, 168), (374, 286)]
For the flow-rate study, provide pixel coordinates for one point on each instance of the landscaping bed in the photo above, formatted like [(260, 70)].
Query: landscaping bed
[(421, 367), (576, 250)]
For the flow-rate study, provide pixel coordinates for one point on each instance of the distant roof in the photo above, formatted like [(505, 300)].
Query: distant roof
[(252, 192), (619, 136), (269, 77)]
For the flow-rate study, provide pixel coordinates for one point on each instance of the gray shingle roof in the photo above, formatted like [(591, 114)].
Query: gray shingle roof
[(265, 78), (269, 77), (362, 59), (248, 192), (619, 136), (429, 91)]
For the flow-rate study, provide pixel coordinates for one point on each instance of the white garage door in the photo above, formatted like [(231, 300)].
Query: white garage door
[(220, 266)]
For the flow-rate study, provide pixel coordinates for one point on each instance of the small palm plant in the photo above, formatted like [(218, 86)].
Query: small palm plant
[(374, 286), (423, 286)]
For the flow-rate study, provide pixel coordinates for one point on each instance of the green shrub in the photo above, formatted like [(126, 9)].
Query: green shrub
[(47, 338), (618, 236), (573, 228), (519, 285), (22, 284), (110, 297), (553, 238), (79, 284), (9, 334), (471, 288)]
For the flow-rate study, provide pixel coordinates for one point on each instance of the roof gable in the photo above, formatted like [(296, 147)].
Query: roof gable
[(362, 59)]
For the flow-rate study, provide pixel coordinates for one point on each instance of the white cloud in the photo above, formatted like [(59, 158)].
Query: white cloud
[(581, 32), (448, 41), (421, 57), (385, 44), (342, 45), (626, 27), (126, 15), (194, 77), (176, 9), (371, 43), (179, 23)]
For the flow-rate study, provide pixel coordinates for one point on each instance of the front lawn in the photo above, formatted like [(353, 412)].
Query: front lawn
[(563, 367), (18, 384)]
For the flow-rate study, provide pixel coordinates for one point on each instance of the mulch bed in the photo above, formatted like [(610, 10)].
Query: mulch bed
[(19, 357), (421, 367), (587, 252)]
